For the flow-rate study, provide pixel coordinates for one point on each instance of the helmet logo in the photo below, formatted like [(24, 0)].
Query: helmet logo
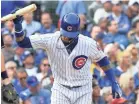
[(69, 28)]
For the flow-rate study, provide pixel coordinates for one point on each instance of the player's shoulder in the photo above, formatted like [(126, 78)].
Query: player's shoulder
[(86, 39)]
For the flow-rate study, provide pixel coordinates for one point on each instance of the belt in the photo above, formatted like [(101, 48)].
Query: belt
[(69, 87)]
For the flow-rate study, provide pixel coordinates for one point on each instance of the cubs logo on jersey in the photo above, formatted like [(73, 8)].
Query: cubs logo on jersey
[(79, 61)]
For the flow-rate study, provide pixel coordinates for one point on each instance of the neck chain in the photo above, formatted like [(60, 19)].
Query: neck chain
[(63, 43)]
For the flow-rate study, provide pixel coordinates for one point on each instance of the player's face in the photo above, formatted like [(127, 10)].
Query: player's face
[(66, 39)]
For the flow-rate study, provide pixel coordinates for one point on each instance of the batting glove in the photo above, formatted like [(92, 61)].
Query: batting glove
[(17, 21), (116, 90), (18, 18)]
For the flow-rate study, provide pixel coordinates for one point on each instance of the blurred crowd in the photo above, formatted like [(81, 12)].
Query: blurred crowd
[(113, 24)]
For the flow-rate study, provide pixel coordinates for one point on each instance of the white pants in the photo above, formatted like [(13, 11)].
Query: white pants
[(64, 95)]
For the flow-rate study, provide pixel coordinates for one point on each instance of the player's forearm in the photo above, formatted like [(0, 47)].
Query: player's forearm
[(105, 65), (21, 39), (25, 43)]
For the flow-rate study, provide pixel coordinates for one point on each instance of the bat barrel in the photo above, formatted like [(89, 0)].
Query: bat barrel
[(27, 9), (20, 12)]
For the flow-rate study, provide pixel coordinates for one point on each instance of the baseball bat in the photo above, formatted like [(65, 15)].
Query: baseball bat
[(19, 12)]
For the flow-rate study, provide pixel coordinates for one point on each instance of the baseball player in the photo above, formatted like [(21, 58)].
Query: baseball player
[(70, 55)]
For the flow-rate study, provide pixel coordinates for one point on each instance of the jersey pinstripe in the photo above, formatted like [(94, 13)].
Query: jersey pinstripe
[(64, 65)]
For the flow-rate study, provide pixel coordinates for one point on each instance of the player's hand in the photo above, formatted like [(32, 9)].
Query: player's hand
[(116, 90), (18, 19)]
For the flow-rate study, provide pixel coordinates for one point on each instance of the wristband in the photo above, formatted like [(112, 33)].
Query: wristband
[(18, 31), (18, 27), (4, 75)]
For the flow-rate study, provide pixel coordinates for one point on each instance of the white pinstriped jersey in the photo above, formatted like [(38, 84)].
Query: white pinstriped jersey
[(69, 69)]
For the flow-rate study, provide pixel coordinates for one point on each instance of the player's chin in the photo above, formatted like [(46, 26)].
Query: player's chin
[(65, 38)]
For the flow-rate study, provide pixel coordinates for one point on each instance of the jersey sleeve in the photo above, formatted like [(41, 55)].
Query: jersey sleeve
[(96, 53), (39, 41)]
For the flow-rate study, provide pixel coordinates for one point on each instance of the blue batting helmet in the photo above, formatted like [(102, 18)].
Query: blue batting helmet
[(70, 25)]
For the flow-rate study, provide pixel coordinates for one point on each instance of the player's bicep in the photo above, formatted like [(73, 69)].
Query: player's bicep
[(39, 41), (96, 53)]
